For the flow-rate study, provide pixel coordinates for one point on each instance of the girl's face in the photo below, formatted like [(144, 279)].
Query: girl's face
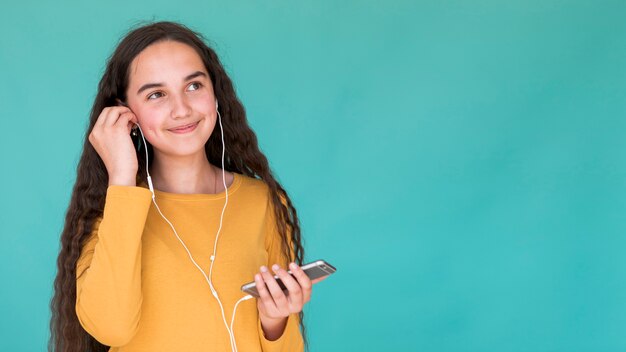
[(170, 88)]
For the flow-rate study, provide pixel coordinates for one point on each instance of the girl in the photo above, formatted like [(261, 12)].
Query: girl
[(171, 214)]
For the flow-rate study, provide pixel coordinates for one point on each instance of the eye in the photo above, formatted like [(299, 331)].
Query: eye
[(153, 94), (198, 84)]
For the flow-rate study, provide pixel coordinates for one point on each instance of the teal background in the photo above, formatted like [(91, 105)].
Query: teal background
[(460, 162)]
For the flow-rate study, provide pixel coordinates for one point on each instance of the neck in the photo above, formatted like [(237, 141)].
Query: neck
[(187, 175)]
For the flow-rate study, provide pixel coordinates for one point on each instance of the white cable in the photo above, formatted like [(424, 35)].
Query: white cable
[(232, 321), (230, 330), (223, 209)]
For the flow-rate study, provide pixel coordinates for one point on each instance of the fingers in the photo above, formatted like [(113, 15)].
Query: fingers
[(295, 296), (112, 114), (130, 119), (275, 302), (111, 140), (121, 118), (303, 281), (280, 300), (264, 294), (109, 113)]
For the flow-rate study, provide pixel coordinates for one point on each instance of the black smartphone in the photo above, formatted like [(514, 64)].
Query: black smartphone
[(313, 270)]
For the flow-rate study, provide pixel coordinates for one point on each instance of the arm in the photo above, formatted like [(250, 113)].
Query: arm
[(108, 271), (277, 334)]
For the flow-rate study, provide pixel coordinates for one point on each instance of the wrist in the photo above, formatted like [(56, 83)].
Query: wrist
[(273, 328), (123, 180)]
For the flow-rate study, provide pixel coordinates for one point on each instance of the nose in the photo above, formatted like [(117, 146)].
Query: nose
[(180, 107)]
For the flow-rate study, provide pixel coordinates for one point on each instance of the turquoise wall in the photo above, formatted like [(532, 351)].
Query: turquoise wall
[(460, 162)]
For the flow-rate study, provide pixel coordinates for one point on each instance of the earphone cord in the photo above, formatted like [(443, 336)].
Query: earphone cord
[(230, 330)]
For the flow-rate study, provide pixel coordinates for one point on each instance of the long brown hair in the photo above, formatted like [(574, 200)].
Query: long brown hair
[(87, 202)]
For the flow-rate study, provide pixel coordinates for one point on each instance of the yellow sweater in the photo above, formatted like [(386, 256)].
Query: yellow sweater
[(137, 289)]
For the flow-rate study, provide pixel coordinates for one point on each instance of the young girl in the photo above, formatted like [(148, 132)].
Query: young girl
[(174, 208)]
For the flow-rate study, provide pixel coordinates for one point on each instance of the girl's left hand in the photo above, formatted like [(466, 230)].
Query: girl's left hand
[(273, 303)]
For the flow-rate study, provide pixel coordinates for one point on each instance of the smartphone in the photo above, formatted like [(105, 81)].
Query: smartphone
[(313, 270)]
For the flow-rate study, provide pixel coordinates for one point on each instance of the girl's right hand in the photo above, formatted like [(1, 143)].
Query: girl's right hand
[(110, 137)]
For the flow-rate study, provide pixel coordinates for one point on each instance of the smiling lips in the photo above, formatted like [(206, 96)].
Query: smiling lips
[(185, 129)]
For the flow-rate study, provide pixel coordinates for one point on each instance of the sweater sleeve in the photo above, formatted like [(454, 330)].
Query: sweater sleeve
[(108, 270), (291, 339)]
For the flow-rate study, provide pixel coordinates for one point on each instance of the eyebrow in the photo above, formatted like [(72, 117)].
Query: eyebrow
[(155, 85)]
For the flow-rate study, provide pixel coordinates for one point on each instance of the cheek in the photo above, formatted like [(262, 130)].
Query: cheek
[(203, 105), (149, 117)]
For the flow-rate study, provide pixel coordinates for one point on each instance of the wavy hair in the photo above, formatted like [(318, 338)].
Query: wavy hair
[(87, 202)]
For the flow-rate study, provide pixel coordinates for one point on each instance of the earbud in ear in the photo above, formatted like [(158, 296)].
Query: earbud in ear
[(216, 104)]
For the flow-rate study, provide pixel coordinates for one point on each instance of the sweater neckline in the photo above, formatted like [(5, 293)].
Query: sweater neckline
[(234, 186)]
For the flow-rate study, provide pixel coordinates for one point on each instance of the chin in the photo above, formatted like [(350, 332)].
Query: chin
[(184, 149)]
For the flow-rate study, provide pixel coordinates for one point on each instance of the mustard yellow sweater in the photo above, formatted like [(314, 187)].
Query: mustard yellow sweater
[(137, 289)]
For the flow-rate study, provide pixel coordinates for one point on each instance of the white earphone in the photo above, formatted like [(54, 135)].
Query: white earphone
[(230, 331)]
